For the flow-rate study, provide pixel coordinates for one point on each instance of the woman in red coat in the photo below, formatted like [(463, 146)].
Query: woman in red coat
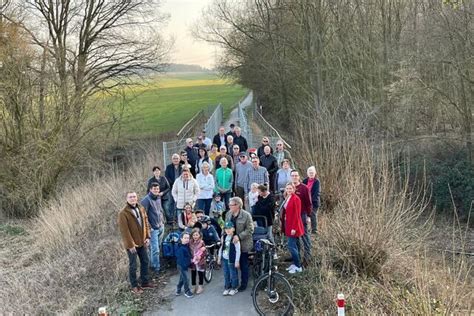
[(293, 226)]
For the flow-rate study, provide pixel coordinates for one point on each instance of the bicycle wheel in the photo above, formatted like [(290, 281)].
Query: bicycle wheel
[(272, 295), (208, 272)]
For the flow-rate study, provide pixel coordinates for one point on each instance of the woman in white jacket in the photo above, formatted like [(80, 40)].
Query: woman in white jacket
[(185, 190), (206, 186)]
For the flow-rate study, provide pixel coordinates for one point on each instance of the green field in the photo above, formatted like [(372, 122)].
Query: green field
[(166, 103)]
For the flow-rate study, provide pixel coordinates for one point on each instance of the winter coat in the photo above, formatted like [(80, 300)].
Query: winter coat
[(315, 192), (185, 191), (183, 256), (292, 216), (196, 251), (133, 234), (265, 207), (243, 228)]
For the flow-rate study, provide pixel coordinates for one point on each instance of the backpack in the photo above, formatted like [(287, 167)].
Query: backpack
[(170, 244)]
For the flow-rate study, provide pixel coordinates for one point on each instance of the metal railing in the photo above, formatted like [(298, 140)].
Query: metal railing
[(267, 129), (244, 126), (215, 120), (190, 128)]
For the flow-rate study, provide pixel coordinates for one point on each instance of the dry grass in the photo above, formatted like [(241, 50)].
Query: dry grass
[(72, 260), (373, 236)]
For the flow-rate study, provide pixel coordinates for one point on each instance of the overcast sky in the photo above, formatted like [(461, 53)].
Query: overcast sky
[(183, 13)]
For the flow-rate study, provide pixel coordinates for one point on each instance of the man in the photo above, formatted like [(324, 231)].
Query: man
[(220, 139), (270, 163), (265, 142), (154, 211), (172, 172), (192, 155), (241, 170), (232, 130), (281, 153), (185, 190), (235, 154), (223, 154), (224, 182), (135, 232), (206, 140), (200, 143), (240, 140), (256, 174), (306, 208), (243, 224)]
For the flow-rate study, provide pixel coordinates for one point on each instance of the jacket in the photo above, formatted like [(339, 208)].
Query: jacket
[(243, 228), (185, 191), (217, 140), (209, 235), (261, 150), (315, 192), (165, 187), (242, 142), (293, 217), (195, 248), (224, 180), (169, 173), (303, 193), (270, 163), (217, 163), (183, 256), (206, 185), (155, 215), (133, 234), (265, 207), (234, 250)]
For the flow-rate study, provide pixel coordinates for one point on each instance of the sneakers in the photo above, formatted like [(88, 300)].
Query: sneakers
[(226, 292), (241, 288), (290, 267), (136, 290), (275, 256), (189, 294), (200, 289), (178, 292), (233, 292), (295, 270)]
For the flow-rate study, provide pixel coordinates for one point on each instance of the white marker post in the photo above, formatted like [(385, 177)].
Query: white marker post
[(340, 304)]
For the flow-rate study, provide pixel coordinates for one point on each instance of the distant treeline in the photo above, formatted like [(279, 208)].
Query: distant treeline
[(186, 68)]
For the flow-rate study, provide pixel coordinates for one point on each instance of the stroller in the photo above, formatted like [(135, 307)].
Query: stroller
[(169, 246)]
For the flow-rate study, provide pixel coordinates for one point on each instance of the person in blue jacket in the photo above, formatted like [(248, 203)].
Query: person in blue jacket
[(183, 262)]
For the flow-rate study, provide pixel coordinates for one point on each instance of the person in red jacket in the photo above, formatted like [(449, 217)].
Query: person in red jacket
[(306, 209), (293, 226)]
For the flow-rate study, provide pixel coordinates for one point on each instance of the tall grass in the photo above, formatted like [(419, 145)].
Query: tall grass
[(73, 261), (372, 242)]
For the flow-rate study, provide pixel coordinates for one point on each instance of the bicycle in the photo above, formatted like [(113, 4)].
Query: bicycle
[(272, 293), (211, 263)]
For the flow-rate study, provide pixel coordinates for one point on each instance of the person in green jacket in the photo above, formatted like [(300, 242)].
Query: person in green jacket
[(224, 181)]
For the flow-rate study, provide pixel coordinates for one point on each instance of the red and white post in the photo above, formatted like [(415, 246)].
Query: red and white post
[(340, 304)]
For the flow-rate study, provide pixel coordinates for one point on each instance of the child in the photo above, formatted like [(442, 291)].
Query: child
[(198, 251), (217, 208), (253, 195), (209, 233), (229, 252), (183, 262)]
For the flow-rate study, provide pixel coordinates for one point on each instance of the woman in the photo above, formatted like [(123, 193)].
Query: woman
[(265, 206), (213, 153), (282, 176), (206, 186), (165, 188), (293, 225), (314, 188), (187, 219), (203, 157)]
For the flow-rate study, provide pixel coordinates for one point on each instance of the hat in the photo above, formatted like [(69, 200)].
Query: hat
[(242, 154), (229, 224)]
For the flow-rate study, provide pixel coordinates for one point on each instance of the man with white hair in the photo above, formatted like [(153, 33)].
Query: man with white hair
[(281, 153), (240, 140), (314, 187), (220, 138)]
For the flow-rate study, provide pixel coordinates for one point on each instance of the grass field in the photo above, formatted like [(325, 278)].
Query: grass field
[(166, 103)]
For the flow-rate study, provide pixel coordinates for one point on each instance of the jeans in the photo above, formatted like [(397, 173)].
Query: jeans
[(231, 276), (244, 269), (314, 220), (183, 280), (306, 238), (132, 266), (169, 209), (270, 233), (239, 191), (293, 248), (225, 197), (155, 248), (204, 204)]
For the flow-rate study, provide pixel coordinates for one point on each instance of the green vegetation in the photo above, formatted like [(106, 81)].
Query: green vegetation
[(166, 103), (12, 230)]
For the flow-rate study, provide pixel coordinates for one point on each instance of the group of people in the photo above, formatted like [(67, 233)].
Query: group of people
[(214, 191)]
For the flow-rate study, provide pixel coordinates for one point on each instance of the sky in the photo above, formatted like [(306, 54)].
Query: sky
[(187, 50)]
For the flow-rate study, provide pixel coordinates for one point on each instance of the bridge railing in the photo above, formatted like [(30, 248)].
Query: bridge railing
[(215, 120), (245, 127), (267, 129)]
